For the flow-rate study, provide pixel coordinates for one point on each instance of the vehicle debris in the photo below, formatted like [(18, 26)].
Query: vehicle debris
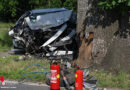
[(89, 82), (49, 33)]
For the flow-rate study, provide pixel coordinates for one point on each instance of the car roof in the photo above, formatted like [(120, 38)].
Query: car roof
[(38, 11)]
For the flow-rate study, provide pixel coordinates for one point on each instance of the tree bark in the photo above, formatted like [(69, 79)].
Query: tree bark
[(111, 37)]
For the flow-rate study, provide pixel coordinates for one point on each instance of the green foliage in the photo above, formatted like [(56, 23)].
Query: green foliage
[(8, 6), (13, 9), (10, 9), (110, 4), (5, 40), (128, 3), (55, 3), (71, 4), (121, 6)]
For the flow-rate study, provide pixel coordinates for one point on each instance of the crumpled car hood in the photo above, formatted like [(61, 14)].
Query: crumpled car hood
[(48, 18), (48, 32)]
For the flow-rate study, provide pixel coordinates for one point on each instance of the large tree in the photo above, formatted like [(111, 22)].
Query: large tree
[(104, 35)]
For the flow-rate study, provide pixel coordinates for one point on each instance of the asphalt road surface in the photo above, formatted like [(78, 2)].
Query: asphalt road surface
[(12, 85), (24, 87)]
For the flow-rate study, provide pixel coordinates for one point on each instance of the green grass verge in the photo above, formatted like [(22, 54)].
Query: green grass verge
[(5, 26), (5, 39), (10, 68), (105, 79)]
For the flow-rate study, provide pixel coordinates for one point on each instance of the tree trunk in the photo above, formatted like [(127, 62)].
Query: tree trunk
[(111, 37)]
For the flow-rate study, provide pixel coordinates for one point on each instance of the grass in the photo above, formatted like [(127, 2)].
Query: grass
[(5, 26), (106, 79), (10, 69), (5, 39)]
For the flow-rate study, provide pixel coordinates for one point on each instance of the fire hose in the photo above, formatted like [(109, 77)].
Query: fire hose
[(24, 76)]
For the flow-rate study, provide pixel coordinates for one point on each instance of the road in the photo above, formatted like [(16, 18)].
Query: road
[(13, 85), (25, 87)]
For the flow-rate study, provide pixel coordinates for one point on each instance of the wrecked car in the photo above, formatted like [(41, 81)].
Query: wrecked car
[(49, 33)]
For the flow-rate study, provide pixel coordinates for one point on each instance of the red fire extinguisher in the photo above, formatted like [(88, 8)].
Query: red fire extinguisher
[(55, 77), (79, 80)]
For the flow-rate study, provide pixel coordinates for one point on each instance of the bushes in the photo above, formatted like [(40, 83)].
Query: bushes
[(12, 9), (8, 9), (121, 6), (5, 40)]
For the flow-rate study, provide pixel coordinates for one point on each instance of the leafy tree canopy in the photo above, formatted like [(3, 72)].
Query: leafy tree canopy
[(13, 9), (120, 5)]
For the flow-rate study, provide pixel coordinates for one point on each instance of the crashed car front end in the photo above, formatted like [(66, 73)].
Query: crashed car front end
[(49, 33)]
